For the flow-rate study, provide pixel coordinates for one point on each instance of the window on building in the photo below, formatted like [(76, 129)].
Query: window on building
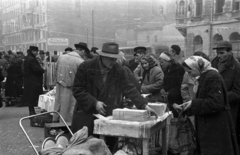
[(199, 8), (219, 6), (236, 5), (234, 38), (198, 43), (181, 7), (43, 18), (156, 39), (148, 39), (37, 18)]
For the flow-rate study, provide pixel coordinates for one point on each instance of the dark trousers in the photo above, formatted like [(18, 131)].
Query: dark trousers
[(31, 110)]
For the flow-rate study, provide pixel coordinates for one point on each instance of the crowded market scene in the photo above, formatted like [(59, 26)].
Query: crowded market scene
[(120, 77)]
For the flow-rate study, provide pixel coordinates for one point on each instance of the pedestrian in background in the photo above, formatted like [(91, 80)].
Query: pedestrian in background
[(85, 52), (13, 90), (66, 69), (173, 76), (33, 78), (153, 76)]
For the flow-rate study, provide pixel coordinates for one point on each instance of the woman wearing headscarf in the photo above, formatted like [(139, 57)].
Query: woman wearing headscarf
[(173, 76), (152, 76), (215, 133), (187, 91)]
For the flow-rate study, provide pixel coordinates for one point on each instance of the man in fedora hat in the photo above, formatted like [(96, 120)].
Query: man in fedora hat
[(98, 86), (33, 79), (82, 48), (229, 69)]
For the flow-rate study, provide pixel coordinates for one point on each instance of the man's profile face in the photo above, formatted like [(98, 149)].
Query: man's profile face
[(172, 52), (222, 54), (139, 56)]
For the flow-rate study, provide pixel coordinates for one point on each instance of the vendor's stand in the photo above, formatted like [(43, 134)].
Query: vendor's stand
[(139, 130)]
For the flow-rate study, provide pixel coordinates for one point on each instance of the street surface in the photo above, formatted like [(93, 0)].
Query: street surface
[(12, 139)]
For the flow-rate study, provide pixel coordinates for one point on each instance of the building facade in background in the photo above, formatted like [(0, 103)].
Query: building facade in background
[(43, 23), (206, 22), (56, 24)]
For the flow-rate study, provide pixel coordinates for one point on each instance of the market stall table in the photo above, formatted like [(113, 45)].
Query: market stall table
[(139, 130)]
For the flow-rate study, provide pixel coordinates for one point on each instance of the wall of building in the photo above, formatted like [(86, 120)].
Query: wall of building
[(208, 24)]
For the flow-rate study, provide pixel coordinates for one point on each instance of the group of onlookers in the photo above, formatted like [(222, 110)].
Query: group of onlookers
[(209, 91), (11, 64)]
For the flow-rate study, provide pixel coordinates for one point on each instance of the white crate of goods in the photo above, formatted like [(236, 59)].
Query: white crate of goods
[(159, 108), (131, 115)]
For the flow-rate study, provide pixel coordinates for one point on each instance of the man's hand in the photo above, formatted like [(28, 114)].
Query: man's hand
[(186, 105), (151, 111), (177, 107), (100, 107)]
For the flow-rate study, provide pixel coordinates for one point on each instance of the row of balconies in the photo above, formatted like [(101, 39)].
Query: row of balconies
[(183, 20)]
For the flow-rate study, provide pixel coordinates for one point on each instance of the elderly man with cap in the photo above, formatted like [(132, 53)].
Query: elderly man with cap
[(33, 79), (66, 69), (84, 51), (98, 86), (229, 69)]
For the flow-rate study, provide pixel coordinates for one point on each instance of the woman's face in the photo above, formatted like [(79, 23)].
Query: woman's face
[(191, 72), (145, 64)]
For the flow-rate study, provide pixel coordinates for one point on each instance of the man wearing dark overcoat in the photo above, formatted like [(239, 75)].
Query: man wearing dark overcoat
[(98, 87), (33, 79), (229, 69)]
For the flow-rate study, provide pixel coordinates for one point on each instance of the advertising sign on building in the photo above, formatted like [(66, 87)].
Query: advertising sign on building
[(58, 41)]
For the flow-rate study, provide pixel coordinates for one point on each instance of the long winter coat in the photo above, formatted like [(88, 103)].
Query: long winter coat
[(14, 80), (66, 70), (33, 78), (173, 78), (231, 77), (89, 88), (214, 126)]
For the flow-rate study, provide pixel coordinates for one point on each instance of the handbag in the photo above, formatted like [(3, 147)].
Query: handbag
[(181, 134)]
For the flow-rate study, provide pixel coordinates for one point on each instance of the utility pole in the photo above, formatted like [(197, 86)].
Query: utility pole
[(210, 29), (92, 27), (87, 35)]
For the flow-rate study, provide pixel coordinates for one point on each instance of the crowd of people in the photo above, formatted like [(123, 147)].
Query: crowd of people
[(99, 81)]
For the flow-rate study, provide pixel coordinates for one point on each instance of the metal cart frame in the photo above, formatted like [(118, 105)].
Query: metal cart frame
[(32, 116)]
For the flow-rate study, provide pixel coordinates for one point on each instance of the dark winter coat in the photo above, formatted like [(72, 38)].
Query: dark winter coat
[(33, 78), (132, 64), (14, 80), (88, 88), (231, 77), (215, 131), (172, 82)]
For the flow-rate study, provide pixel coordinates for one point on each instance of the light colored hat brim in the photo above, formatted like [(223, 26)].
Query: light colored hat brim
[(119, 55)]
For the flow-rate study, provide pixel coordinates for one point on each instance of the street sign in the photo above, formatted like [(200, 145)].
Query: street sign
[(58, 41)]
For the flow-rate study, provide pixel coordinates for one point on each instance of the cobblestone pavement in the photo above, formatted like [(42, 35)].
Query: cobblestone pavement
[(12, 139)]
